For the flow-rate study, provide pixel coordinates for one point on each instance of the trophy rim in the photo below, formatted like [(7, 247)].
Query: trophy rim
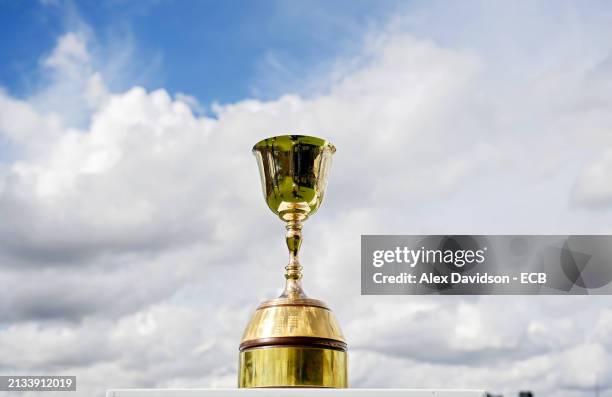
[(321, 142)]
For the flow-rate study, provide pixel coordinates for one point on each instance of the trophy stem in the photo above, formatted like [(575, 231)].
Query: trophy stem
[(293, 270)]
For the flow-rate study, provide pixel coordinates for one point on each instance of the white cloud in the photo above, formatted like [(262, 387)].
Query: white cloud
[(593, 187), (136, 232), (74, 89), (68, 55)]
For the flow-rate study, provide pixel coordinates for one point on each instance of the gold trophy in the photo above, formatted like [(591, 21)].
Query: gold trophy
[(293, 340)]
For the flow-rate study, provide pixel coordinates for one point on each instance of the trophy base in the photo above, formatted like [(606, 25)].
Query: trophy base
[(293, 342), (293, 366)]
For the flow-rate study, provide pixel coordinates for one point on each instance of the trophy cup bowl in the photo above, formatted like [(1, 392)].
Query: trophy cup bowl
[(293, 340), (293, 170)]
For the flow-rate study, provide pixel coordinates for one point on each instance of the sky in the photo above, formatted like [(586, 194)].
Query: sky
[(231, 50), (134, 241)]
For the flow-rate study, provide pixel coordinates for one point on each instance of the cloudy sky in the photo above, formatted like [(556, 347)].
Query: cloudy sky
[(134, 240)]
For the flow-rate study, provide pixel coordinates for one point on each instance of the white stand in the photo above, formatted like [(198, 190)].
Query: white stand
[(305, 392)]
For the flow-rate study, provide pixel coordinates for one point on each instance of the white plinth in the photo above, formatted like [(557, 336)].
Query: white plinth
[(293, 393)]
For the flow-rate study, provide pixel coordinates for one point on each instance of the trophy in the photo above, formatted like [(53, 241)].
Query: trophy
[(293, 340)]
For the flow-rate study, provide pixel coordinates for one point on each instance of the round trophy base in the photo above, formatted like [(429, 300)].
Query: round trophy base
[(293, 342), (292, 366)]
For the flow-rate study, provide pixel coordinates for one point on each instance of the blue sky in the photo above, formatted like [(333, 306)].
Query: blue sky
[(214, 50)]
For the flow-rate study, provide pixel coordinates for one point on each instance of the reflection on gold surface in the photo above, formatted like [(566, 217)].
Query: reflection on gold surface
[(293, 366), (293, 170)]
